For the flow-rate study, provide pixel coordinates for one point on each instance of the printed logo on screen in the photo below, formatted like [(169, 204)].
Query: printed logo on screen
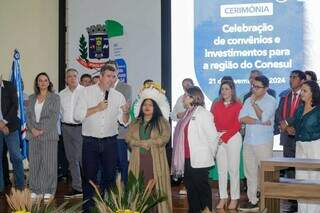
[(99, 46)]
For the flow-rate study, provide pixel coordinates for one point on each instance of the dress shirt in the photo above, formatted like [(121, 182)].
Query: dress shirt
[(68, 100), (104, 123), (257, 133), (115, 84), (226, 118), (295, 99), (37, 110), (297, 95), (178, 108)]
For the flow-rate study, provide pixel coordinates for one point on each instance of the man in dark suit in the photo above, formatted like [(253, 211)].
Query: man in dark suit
[(9, 132), (285, 113), (289, 102)]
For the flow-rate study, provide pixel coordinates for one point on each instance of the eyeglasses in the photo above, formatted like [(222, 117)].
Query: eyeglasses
[(257, 87)]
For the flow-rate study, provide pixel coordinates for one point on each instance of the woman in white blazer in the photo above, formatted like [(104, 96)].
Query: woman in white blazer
[(195, 144)]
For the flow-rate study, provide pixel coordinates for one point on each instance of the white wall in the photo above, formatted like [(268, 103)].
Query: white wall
[(311, 36), (32, 27)]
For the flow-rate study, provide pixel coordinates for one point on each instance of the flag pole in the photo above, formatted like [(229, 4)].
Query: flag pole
[(17, 82)]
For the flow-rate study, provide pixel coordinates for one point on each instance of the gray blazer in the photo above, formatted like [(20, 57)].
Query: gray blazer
[(48, 118), (126, 91)]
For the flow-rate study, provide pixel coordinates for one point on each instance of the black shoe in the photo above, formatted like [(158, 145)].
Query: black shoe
[(293, 207), (243, 186), (73, 194), (7, 183), (249, 207), (2, 195), (62, 178), (176, 181)]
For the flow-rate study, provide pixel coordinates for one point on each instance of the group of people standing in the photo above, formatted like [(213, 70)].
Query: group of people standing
[(94, 121), (202, 137), (295, 118), (97, 129)]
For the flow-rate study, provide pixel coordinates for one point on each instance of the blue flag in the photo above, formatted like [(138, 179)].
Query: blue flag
[(17, 81)]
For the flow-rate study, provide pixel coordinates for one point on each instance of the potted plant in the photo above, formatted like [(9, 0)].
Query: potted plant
[(135, 197), (21, 202)]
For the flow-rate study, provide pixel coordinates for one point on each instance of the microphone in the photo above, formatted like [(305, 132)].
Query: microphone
[(106, 95)]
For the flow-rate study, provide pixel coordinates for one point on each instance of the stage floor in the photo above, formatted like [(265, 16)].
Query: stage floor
[(180, 204)]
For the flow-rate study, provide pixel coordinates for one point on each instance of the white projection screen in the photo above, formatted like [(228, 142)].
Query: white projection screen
[(211, 39)]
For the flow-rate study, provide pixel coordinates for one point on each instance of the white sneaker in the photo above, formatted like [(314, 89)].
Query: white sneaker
[(48, 197), (34, 196), (183, 192)]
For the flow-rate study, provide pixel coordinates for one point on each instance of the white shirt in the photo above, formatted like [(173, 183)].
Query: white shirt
[(115, 84), (298, 95), (68, 100), (37, 109), (178, 108), (101, 124)]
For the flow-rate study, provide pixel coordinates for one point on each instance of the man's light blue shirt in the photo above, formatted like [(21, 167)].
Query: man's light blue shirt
[(256, 133)]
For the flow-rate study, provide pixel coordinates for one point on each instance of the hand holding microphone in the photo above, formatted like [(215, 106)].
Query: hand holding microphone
[(103, 104)]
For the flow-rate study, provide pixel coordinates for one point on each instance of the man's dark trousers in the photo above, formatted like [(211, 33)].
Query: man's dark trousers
[(95, 152)]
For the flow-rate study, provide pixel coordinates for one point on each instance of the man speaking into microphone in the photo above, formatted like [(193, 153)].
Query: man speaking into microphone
[(100, 108)]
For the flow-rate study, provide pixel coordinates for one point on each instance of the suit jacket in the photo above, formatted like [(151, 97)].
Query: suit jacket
[(285, 139), (9, 105), (203, 138), (126, 91), (48, 118)]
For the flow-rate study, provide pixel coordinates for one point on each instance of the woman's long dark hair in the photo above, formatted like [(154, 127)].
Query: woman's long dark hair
[(35, 84), (156, 115), (315, 90)]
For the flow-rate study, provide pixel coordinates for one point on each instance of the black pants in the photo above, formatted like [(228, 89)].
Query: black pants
[(122, 160), (289, 151), (5, 164), (198, 188), (97, 152)]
